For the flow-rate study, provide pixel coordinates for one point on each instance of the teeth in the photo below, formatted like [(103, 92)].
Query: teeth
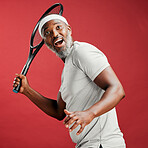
[(58, 41)]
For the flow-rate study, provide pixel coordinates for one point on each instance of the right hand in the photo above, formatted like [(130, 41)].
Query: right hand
[(24, 83)]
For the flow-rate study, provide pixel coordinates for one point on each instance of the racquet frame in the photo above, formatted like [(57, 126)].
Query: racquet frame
[(36, 48)]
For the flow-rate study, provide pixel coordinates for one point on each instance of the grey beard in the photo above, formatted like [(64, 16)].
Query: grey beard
[(66, 52)]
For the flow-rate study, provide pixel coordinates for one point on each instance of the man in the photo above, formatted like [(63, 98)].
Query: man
[(89, 92)]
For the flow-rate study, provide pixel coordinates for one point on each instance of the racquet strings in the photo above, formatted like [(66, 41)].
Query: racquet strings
[(37, 38)]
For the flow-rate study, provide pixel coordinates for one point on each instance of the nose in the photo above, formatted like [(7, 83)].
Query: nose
[(55, 33)]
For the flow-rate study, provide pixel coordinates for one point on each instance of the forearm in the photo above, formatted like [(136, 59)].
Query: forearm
[(49, 106), (109, 100)]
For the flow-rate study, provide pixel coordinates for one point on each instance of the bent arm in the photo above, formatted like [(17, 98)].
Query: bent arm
[(114, 92), (53, 108)]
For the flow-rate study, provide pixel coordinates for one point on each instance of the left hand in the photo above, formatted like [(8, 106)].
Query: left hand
[(81, 118)]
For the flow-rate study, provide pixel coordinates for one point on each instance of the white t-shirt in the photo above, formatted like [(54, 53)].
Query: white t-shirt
[(82, 66)]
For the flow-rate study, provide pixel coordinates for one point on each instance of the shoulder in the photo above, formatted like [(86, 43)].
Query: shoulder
[(83, 46), (83, 49)]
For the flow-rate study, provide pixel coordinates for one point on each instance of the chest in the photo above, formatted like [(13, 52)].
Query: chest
[(73, 79)]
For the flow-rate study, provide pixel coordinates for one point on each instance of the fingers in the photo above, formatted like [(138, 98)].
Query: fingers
[(69, 115), (22, 81), (78, 122), (70, 120), (66, 120), (67, 112), (73, 118), (20, 76), (81, 129), (16, 81)]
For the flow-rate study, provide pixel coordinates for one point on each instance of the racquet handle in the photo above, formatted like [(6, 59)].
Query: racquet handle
[(17, 89), (24, 72)]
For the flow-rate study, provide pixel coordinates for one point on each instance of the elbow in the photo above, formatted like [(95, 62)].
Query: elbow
[(60, 118), (123, 96), (121, 92)]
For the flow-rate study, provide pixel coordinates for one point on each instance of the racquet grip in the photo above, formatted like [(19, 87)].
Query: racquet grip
[(17, 88)]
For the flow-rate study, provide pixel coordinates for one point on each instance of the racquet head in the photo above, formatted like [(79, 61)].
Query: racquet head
[(36, 39)]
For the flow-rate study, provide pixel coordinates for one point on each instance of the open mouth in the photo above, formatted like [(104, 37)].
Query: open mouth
[(58, 42)]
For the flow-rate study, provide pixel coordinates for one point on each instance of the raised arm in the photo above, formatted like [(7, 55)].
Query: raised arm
[(53, 108)]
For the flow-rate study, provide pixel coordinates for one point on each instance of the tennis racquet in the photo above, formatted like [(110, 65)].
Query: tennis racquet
[(36, 42)]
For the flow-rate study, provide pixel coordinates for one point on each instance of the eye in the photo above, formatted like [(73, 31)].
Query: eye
[(46, 33), (58, 27)]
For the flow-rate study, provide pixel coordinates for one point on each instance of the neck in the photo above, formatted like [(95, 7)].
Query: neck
[(63, 59)]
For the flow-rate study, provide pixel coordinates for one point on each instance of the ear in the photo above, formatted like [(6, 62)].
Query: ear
[(69, 28)]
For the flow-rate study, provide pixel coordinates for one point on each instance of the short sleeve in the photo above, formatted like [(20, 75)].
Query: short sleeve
[(90, 60)]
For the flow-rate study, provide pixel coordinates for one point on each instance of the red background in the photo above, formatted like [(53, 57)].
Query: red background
[(117, 27)]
